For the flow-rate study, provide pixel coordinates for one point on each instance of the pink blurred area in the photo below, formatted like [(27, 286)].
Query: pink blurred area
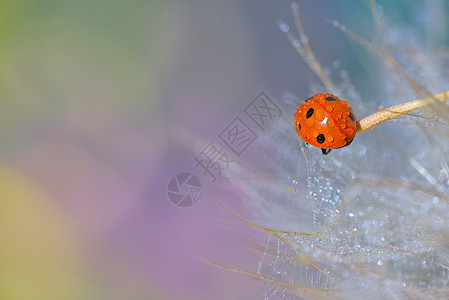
[(92, 100)]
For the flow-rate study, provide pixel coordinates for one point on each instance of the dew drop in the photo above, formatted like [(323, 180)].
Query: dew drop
[(379, 11), (296, 43), (431, 122), (305, 39), (379, 262), (295, 6), (344, 74), (283, 26), (351, 215), (339, 165)]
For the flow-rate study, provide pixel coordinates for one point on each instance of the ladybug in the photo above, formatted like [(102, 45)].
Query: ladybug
[(326, 122)]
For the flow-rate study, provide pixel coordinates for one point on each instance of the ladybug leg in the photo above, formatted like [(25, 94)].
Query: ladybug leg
[(325, 151)]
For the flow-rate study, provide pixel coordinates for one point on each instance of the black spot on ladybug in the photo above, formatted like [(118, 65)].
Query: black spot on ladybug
[(330, 98), (320, 138), (351, 116), (309, 113), (299, 126)]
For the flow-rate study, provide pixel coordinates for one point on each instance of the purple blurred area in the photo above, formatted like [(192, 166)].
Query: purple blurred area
[(93, 97)]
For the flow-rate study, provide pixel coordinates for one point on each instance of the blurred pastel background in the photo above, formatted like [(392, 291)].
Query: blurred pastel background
[(91, 94)]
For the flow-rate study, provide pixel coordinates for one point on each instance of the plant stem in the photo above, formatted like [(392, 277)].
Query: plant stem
[(379, 117)]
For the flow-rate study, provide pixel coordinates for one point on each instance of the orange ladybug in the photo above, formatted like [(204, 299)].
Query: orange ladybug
[(326, 122)]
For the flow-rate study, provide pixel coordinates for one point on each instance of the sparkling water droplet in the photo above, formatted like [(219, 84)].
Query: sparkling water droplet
[(361, 150), (379, 11), (379, 262), (296, 43), (339, 165), (305, 39), (295, 6), (283, 26), (431, 122), (351, 215)]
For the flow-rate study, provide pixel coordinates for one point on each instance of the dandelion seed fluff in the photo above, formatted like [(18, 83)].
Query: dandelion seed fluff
[(377, 212)]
